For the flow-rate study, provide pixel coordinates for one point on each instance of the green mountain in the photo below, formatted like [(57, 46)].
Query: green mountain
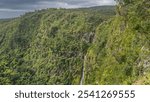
[(78, 46)]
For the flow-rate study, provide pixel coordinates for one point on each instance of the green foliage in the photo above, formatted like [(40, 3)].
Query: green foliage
[(120, 53), (48, 46), (55, 46)]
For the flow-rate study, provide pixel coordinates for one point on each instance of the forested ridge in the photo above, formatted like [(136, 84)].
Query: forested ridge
[(97, 45)]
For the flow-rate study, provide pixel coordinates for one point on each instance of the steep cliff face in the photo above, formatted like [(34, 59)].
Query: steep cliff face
[(48, 46), (120, 53)]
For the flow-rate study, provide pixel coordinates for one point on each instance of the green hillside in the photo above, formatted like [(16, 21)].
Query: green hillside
[(48, 46), (120, 52), (78, 46)]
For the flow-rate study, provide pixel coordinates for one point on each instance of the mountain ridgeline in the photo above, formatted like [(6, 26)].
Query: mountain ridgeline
[(97, 45)]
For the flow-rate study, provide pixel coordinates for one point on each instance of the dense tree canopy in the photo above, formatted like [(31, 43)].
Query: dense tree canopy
[(48, 46), (78, 46)]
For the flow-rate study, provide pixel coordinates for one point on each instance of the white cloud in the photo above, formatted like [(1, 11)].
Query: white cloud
[(50, 4), (105, 2)]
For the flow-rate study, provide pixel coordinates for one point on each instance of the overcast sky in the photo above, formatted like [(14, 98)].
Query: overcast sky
[(13, 8)]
